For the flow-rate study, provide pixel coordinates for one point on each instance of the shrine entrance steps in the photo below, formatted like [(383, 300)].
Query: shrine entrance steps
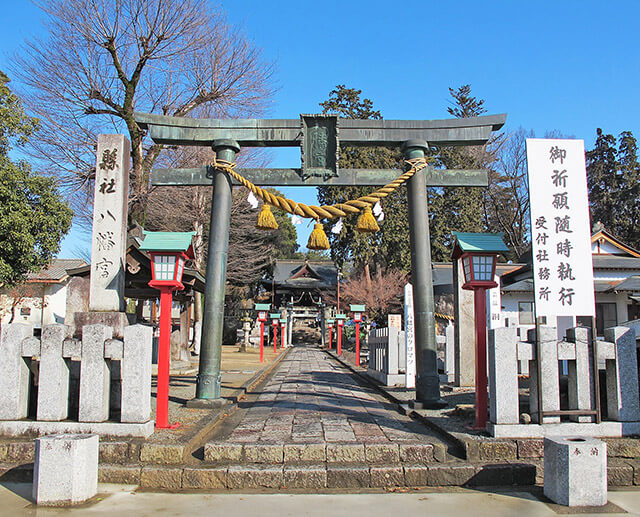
[(305, 335)]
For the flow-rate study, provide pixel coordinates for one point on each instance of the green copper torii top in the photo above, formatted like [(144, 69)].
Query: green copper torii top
[(288, 132), (320, 138)]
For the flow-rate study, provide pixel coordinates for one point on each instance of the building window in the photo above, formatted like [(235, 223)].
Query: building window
[(605, 317), (525, 313), (583, 321), (633, 312)]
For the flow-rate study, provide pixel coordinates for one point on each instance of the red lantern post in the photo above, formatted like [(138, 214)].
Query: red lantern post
[(262, 309), (340, 321), (169, 251), (357, 319), (479, 254), (275, 323)]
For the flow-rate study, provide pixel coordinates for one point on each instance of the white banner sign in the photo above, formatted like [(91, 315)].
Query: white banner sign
[(409, 335), (494, 306), (560, 230)]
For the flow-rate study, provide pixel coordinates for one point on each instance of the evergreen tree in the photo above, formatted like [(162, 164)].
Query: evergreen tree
[(390, 246), (33, 217), (613, 173), (457, 208)]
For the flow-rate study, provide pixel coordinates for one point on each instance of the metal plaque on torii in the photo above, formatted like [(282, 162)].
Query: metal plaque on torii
[(320, 146)]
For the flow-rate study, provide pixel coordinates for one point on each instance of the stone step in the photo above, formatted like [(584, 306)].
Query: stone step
[(319, 476), (325, 475), (385, 453)]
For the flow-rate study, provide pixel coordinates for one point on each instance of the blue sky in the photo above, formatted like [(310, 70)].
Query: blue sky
[(551, 65)]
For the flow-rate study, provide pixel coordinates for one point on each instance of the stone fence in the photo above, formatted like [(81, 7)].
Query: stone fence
[(617, 362), (387, 356), (49, 380)]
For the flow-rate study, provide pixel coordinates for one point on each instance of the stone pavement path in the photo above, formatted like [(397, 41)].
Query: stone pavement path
[(311, 398)]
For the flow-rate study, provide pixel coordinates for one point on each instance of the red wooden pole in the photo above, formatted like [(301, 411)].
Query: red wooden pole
[(275, 339), (481, 357), (330, 336), (281, 336), (262, 341), (164, 360), (357, 344), (339, 339)]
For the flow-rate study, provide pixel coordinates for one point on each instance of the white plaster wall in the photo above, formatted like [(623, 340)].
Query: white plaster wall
[(55, 299), (28, 303), (55, 303), (510, 306), (605, 248)]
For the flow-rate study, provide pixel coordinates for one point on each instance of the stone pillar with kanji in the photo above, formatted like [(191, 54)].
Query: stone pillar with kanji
[(109, 236)]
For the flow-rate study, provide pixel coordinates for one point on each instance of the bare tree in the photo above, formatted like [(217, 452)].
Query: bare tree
[(101, 60), (187, 209), (506, 200), (381, 293)]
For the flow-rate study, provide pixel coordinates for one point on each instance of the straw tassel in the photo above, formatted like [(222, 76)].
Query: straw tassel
[(318, 239), (266, 220), (366, 222)]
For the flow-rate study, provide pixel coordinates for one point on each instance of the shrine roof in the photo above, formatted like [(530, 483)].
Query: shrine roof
[(631, 283), (317, 273), (522, 286), (615, 262), (599, 286), (601, 236), (55, 271)]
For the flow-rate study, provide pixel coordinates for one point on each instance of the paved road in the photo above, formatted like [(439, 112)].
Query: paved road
[(123, 500), (311, 398)]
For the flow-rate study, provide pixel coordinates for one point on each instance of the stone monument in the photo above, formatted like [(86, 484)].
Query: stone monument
[(109, 236)]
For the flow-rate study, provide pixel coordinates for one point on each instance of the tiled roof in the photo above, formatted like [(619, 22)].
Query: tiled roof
[(599, 286), (615, 262), (327, 274), (631, 283), (56, 271)]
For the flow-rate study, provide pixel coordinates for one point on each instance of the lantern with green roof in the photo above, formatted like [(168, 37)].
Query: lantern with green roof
[(169, 251)]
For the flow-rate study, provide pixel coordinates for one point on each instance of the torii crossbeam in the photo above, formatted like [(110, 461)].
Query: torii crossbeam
[(320, 138)]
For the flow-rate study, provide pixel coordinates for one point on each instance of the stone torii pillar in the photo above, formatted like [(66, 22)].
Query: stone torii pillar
[(320, 138)]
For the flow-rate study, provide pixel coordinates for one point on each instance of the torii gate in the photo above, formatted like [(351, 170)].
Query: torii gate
[(319, 137)]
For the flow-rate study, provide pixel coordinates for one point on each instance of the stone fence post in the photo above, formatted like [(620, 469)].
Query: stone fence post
[(503, 376), (53, 379), (14, 372), (623, 404)]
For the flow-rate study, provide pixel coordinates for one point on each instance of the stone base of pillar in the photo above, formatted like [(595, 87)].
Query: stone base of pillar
[(32, 427), (116, 320), (430, 404), (207, 403)]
